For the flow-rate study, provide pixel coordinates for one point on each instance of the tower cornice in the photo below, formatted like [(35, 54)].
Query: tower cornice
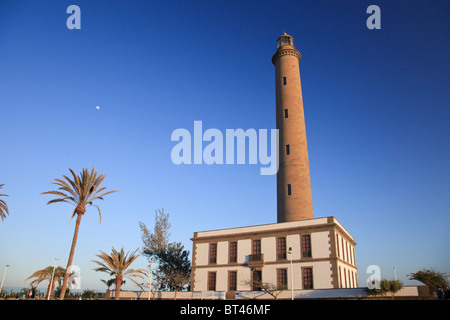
[(286, 52)]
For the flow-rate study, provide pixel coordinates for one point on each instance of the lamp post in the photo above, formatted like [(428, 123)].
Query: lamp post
[(3, 279), (395, 273), (292, 277), (150, 278), (51, 281)]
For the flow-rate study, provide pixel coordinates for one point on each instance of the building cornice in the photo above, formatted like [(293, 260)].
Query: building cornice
[(286, 52), (307, 260), (327, 224)]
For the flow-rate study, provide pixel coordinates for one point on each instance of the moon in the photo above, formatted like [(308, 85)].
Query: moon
[(97, 107)]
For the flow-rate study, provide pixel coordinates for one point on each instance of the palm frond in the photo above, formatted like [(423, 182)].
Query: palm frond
[(58, 200), (69, 185), (118, 263), (100, 197), (99, 212), (3, 206), (80, 190), (73, 213)]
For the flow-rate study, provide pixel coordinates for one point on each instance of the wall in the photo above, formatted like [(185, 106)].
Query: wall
[(411, 292)]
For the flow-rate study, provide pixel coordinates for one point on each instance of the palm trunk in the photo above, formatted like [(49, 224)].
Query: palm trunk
[(69, 263), (118, 284)]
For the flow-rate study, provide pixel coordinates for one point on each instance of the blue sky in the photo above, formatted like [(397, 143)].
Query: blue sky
[(376, 107)]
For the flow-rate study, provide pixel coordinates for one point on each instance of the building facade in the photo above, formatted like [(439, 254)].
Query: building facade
[(308, 254)]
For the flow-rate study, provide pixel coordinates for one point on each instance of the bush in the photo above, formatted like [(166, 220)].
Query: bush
[(386, 286), (89, 294)]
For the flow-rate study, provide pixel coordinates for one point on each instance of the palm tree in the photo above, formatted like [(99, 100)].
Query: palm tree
[(111, 282), (117, 264), (46, 275), (80, 192), (429, 277), (3, 206)]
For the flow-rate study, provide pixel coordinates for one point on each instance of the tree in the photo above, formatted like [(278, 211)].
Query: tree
[(57, 292), (117, 265), (3, 206), (430, 278), (176, 280), (158, 241), (112, 282), (268, 287), (174, 267), (109, 282), (82, 191), (46, 275), (89, 294)]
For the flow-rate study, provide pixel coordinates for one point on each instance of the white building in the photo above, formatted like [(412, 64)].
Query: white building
[(321, 251)]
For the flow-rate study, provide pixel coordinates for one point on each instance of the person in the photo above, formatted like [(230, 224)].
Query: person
[(447, 293), (439, 293)]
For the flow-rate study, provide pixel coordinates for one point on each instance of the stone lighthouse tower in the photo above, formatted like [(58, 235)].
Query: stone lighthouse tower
[(294, 200)]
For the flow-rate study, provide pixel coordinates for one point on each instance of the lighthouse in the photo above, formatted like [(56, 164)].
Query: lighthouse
[(298, 252), (294, 199)]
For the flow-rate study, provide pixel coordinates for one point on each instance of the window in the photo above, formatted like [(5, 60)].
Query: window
[(211, 281), (282, 279), (337, 243), (307, 278), (345, 276), (256, 255), (353, 250), (213, 253), (288, 149), (281, 248), (232, 276), (289, 191), (233, 251), (285, 40), (346, 251), (306, 246), (256, 281), (256, 246), (349, 253), (284, 81), (350, 280), (286, 113), (354, 280)]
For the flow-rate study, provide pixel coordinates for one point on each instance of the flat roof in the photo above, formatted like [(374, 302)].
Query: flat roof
[(269, 227)]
